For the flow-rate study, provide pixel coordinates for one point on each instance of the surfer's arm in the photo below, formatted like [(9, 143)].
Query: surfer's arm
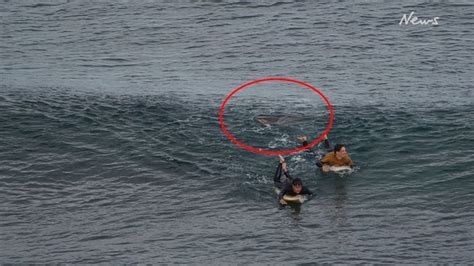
[(326, 144), (304, 142), (325, 168), (351, 163), (287, 174), (277, 176), (284, 167), (282, 193), (324, 164), (280, 196)]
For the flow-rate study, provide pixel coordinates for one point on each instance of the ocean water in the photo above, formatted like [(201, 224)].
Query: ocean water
[(111, 150)]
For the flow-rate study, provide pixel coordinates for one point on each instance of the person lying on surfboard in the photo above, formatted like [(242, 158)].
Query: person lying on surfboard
[(289, 186), (337, 157)]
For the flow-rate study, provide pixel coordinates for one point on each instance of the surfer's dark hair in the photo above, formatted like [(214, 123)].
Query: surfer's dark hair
[(338, 147), (297, 181)]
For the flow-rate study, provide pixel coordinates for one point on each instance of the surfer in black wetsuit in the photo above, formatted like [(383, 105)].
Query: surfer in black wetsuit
[(304, 142), (290, 186)]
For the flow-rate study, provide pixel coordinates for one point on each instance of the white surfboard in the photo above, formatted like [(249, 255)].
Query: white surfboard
[(298, 199)]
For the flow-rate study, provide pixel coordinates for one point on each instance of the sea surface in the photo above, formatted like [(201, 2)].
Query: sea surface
[(111, 148)]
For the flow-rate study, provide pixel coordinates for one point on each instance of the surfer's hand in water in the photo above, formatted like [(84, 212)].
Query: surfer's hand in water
[(283, 202), (282, 160), (302, 138), (325, 168), (325, 137)]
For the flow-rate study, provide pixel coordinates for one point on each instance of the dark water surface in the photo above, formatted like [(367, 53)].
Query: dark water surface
[(111, 149)]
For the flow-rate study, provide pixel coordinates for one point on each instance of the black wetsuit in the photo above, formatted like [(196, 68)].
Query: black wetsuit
[(285, 185)]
